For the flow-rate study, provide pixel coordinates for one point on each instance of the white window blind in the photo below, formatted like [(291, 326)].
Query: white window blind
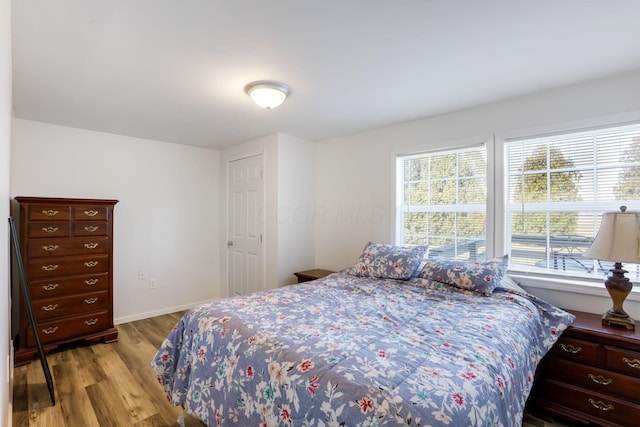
[(558, 188), (442, 202)]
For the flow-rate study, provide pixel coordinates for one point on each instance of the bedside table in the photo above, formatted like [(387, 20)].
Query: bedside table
[(308, 275), (592, 374)]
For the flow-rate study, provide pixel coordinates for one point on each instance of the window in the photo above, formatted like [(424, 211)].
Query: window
[(558, 188), (441, 201)]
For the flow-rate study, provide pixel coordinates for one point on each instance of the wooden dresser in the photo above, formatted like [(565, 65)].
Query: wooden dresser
[(67, 251), (592, 374)]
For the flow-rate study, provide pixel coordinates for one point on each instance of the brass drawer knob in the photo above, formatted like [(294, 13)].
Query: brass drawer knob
[(570, 349), (90, 228), (91, 322), (91, 213), (50, 286), (90, 282), (49, 307), (50, 229), (599, 404), (91, 300), (50, 330), (635, 363), (90, 264), (50, 212), (50, 267), (90, 245), (599, 379)]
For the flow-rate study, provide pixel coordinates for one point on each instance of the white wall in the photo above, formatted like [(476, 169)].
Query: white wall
[(166, 223), (6, 356), (296, 207), (354, 173)]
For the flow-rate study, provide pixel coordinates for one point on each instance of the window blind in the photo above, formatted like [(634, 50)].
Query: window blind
[(558, 188)]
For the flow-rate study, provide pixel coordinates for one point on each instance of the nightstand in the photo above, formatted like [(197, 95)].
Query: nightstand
[(308, 275), (592, 374)]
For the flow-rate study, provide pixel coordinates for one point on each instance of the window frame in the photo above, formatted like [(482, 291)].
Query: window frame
[(497, 239)]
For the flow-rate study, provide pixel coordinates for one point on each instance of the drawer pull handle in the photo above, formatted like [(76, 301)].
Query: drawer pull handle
[(570, 349), (91, 322), (90, 282), (635, 363), (90, 264), (90, 228), (49, 307), (91, 300), (50, 286), (50, 229), (50, 267), (50, 330), (600, 405), (599, 379), (90, 245), (91, 213), (50, 212), (50, 248)]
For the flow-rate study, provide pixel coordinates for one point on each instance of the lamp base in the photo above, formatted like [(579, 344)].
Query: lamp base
[(618, 286), (613, 319)]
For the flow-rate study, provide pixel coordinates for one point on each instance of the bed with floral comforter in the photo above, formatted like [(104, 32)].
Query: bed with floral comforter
[(354, 350)]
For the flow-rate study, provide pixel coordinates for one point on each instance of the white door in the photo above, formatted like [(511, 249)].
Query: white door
[(245, 225)]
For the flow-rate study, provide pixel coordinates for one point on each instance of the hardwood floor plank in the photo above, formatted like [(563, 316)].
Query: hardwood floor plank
[(109, 408)]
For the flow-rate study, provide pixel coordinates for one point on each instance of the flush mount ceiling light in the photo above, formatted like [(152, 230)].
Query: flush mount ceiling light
[(267, 93)]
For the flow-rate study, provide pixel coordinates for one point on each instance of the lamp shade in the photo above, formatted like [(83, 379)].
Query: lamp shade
[(267, 94), (618, 239)]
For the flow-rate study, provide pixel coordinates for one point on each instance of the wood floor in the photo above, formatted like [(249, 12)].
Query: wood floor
[(108, 384), (100, 384)]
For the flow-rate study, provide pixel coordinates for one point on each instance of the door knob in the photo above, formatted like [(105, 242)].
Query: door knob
[(229, 243)]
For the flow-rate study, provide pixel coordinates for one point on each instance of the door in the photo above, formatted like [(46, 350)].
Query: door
[(245, 225)]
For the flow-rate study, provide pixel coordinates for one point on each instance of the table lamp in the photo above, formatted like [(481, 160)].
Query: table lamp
[(618, 241)]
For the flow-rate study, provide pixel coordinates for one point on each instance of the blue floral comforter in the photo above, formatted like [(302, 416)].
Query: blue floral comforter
[(353, 351)]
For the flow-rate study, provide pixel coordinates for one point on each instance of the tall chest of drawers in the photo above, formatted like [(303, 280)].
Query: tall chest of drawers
[(592, 374), (67, 252)]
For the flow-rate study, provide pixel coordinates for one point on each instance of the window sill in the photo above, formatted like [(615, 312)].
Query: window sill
[(568, 284)]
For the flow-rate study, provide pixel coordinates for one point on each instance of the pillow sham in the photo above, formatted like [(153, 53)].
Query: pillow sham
[(382, 261), (478, 276)]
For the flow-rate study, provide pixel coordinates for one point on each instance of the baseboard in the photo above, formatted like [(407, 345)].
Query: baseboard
[(159, 312)]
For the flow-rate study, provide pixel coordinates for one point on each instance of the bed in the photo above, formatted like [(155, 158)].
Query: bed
[(387, 342)]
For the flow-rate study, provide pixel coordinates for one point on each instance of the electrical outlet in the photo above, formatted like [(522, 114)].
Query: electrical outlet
[(141, 275), (153, 283)]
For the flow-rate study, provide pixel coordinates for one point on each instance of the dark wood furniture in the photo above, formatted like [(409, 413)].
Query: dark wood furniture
[(308, 275), (592, 374), (67, 252)]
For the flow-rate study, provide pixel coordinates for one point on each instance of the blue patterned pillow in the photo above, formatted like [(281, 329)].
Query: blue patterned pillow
[(382, 261), (478, 276)]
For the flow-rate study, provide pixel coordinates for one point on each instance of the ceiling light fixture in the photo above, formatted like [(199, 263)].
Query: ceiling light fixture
[(267, 93)]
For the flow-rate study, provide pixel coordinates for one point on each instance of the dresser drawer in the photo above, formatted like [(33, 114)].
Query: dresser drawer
[(86, 228), (48, 213), (42, 248), (66, 306), (596, 405), (576, 350), (90, 213), (598, 380), (53, 288), (625, 361), (53, 267), (48, 229), (63, 329)]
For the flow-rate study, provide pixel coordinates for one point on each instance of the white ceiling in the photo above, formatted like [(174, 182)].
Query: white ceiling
[(174, 70)]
